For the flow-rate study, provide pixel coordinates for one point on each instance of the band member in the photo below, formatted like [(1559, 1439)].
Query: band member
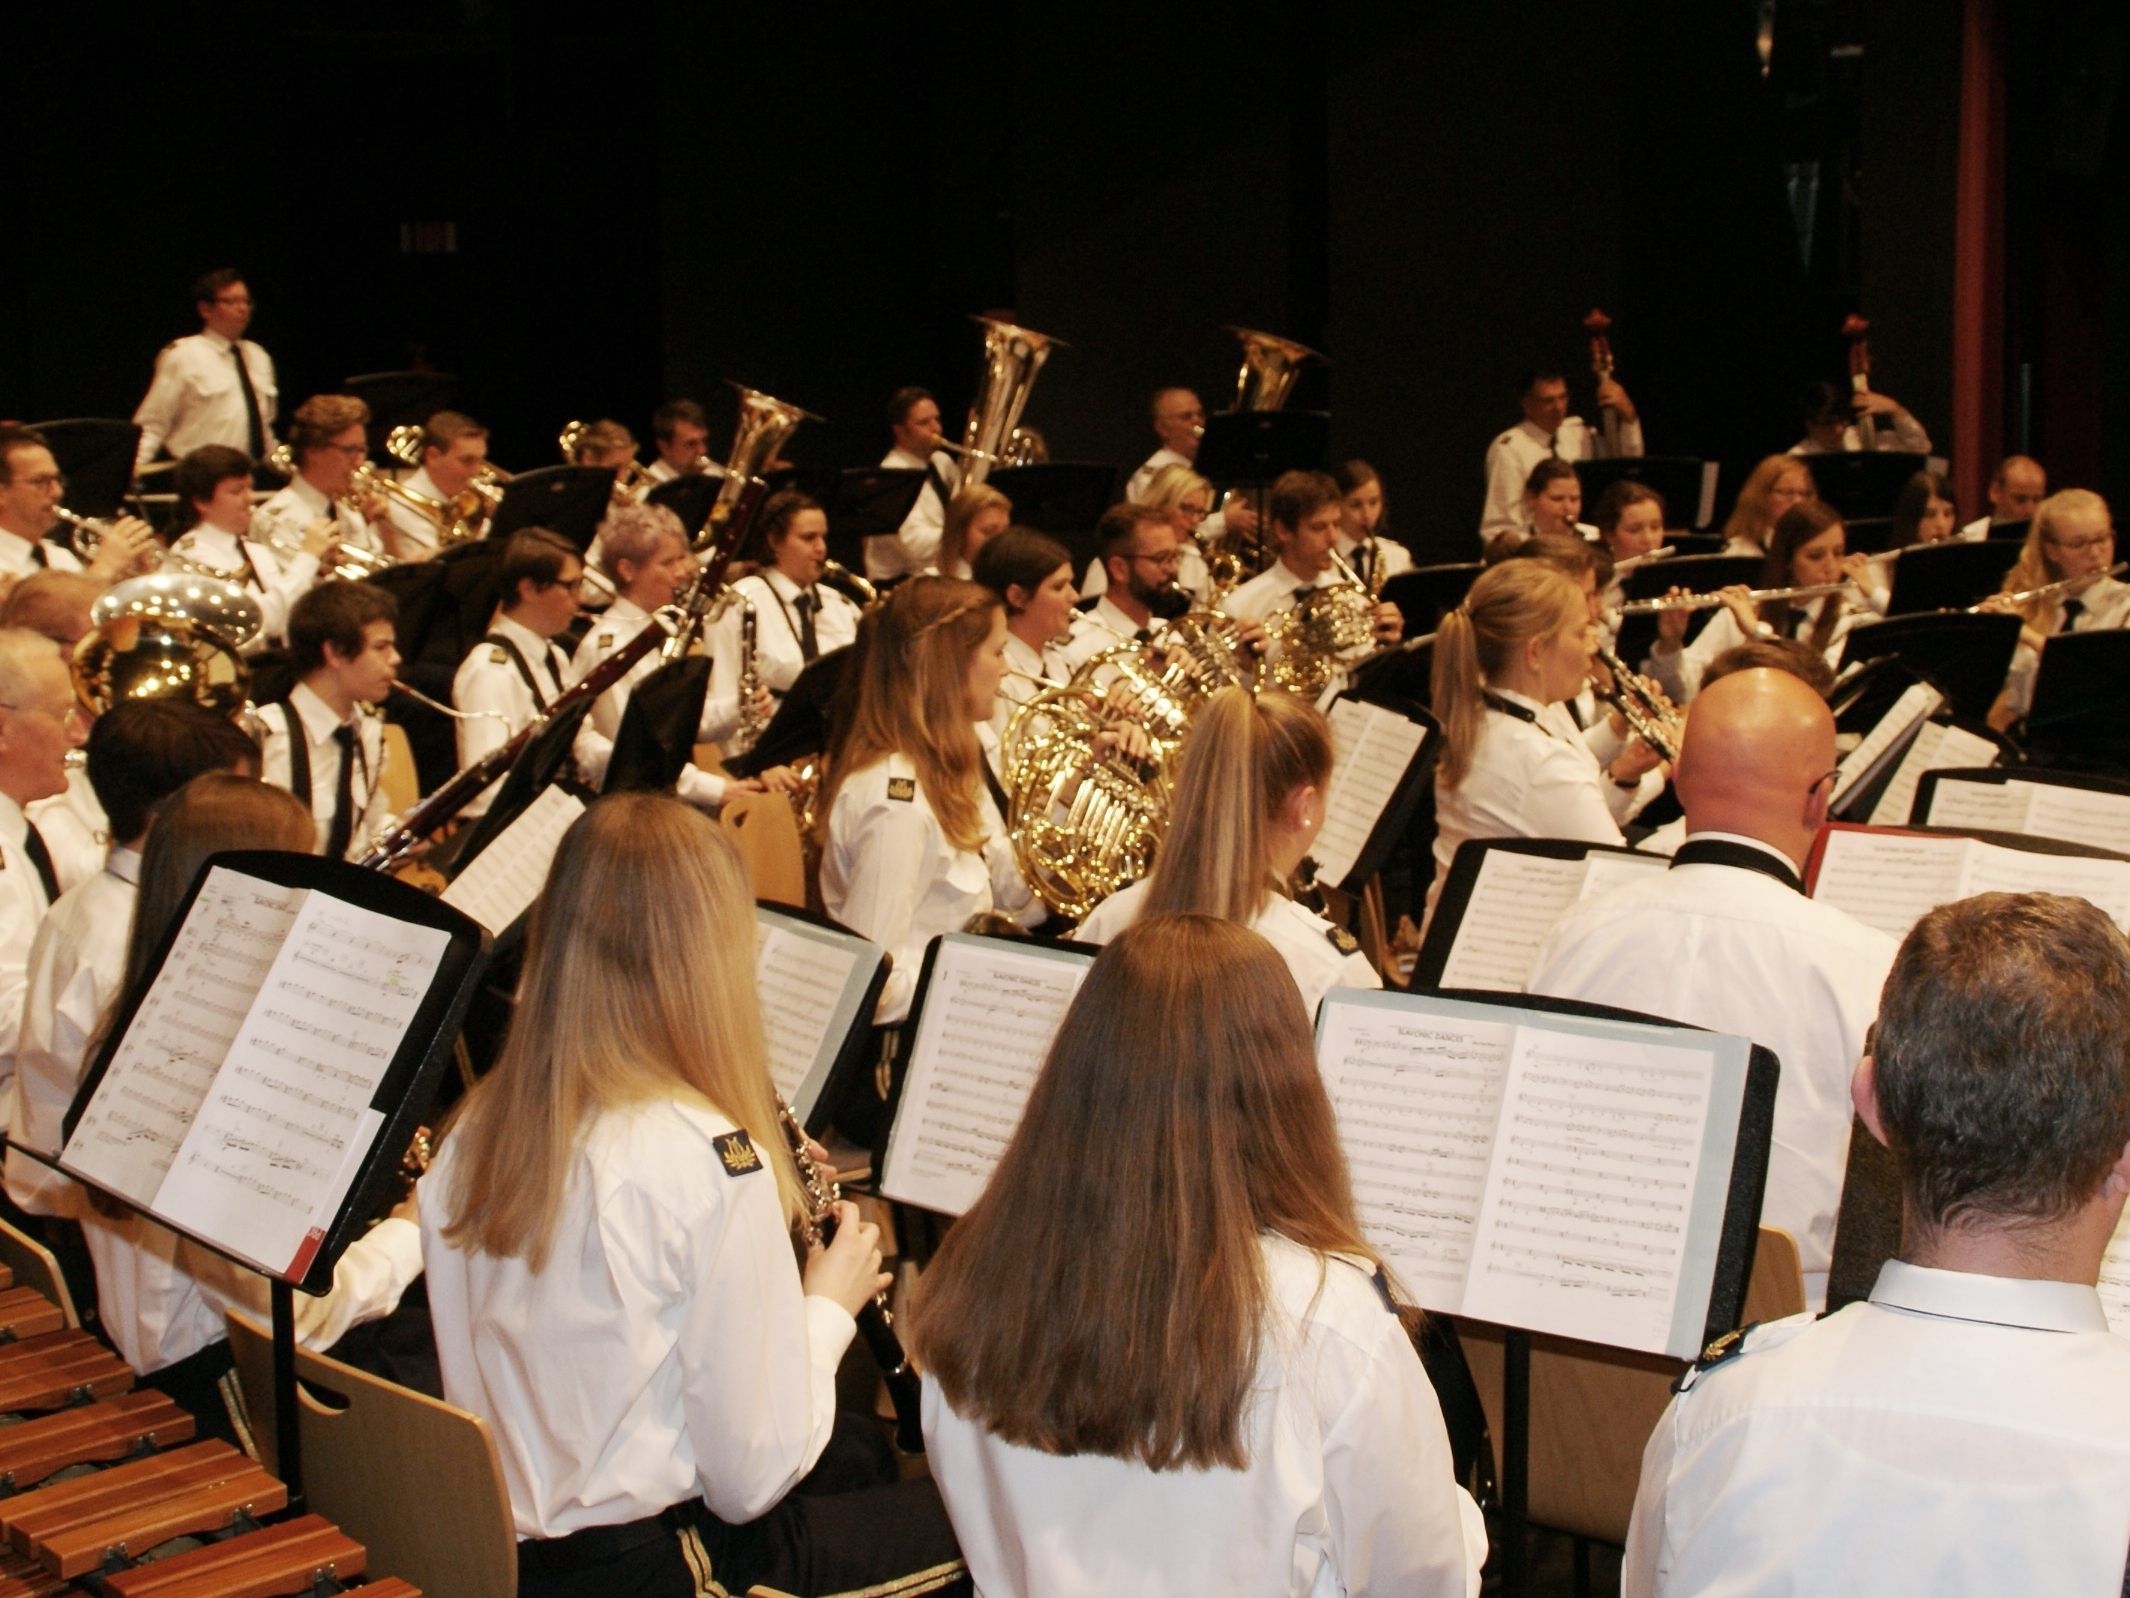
[(681, 434), (1728, 940), (798, 618), (1141, 560), (1776, 485), (213, 487), (1630, 524), (1306, 520), (914, 842), (1513, 762), (975, 516), (214, 386), (325, 743), (1830, 422), (1250, 792), (2016, 489), (1179, 422), (1547, 429), (1032, 576), (611, 1219), (328, 438), (913, 419), (52, 604), (1924, 513), (31, 489), (1553, 502), (1364, 541), (513, 674), (40, 720), (1239, 1411), (1183, 498), (2072, 535), (1966, 1430), (454, 456)]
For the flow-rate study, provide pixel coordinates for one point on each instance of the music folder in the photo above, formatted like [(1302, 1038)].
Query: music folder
[(261, 1084), (1381, 758), (2069, 806), (1501, 898), (1890, 877), (818, 984)]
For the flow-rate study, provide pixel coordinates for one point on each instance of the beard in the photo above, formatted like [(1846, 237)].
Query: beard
[(1165, 601)]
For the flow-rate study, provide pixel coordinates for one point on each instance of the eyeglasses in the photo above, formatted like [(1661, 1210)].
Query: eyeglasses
[(1168, 562), (2074, 545), (1196, 513), (244, 300), (71, 718)]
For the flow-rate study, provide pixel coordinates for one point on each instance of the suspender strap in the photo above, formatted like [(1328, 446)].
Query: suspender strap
[(299, 755), (517, 658)]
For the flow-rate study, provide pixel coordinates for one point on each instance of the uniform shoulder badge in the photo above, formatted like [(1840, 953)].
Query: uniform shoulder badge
[(604, 643), (903, 788), (1724, 1349), (498, 655), (1342, 940), (735, 1150)]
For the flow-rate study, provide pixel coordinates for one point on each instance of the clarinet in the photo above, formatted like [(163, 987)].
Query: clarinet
[(876, 1322)]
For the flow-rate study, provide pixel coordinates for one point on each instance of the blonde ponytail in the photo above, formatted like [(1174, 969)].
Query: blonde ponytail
[(1509, 605)]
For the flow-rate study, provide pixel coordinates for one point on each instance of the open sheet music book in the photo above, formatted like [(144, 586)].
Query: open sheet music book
[(1504, 895), (1549, 1171), (2115, 1279), (1936, 747), (1373, 753), (502, 881), (2036, 809), (1884, 743), (818, 985), (296, 1015), (985, 1014), (1889, 878)]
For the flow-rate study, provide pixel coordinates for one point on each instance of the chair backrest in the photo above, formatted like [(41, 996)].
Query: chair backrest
[(36, 1266), (763, 825), (416, 1481), (402, 784), (1592, 1408)]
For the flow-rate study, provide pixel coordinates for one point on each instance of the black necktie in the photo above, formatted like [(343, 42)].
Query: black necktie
[(1364, 560), (1800, 619), (809, 643), (2072, 610), (37, 553), (341, 828), (254, 429), (41, 858), (1144, 635), (1301, 594)]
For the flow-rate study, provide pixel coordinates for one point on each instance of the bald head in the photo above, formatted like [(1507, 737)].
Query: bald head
[(2018, 485), (1757, 747)]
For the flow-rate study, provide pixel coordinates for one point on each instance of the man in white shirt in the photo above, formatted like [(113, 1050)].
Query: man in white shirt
[(1831, 414), (141, 751), (213, 488), (1547, 429), (1304, 507), (319, 743), (454, 454), (1179, 422), (40, 720), (681, 433), (328, 437), (2016, 489), (214, 386), (513, 675), (1967, 1429), (913, 420), (1727, 939), (31, 489), (1140, 555)]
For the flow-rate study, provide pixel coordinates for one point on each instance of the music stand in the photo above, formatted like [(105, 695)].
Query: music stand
[(445, 606), (805, 718), (95, 455), (1695, 543), (1688, 484), (569, 500), (1402, 678), (1949, 576), (1867, 535), (2077, 714), (540, 764), (1964, 657), (1862, 482), (1250, 449), (689, 497), (1425, 594), (400, 399), (1064, 499), (868, 502), (656, 737), (1696, 574)]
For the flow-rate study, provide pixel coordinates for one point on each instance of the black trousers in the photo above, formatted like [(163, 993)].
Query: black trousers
[(849, 1526)]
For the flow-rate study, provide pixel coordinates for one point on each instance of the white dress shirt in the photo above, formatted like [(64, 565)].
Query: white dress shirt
[(889, 873), (1679, 673), (1956, 1435), (197, 398), (1899, 433), (74, 828), (1272, 591), (22, 910), (488, 679), (1511, 457), (1318, 954), (1141, 482), (620, 622), (1191, 573), (1029, 671), (1975, 531), (289, 515), (20, 557), (1528, 779), (1375, 560), (777, 653), (2104, 606), (1733, 950), (1109, 628), (276, 580), (77, 965), (321, 728), (915, 546), (1348, 1489), (664, 1353)]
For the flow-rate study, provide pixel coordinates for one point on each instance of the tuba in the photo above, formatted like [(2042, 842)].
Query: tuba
[(1269, 366), (765, 425), (168, 636), (1012, 357)]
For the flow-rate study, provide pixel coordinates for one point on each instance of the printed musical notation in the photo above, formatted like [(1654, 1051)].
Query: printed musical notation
[(507, 876), (1889, 880), (1516, 899), (2036, 809), (1936, 748), (812, 981), (987, 1022), (1372, 749)]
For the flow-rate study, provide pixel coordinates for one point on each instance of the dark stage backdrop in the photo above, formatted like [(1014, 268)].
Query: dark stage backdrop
[(582, 217)]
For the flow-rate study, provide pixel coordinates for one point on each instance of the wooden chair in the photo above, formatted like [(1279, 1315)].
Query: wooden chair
[(31, 1264), (768, 836), (416, 1481), (402, 784), (1592, 1409)]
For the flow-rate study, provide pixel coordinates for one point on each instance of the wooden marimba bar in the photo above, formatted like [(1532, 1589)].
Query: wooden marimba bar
[(150, 1484)]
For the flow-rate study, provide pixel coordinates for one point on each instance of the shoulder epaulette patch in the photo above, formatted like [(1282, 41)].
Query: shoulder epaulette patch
[(903, 788), (1724, 1349), (735, 1150), (1342, 940), (498, 655)]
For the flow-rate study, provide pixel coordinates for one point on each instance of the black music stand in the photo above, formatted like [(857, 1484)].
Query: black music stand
[(1867, 535), (569, 500), (656, 737), (445, 606), (1684, 544), (1696, 574), (1250, 449), (1863, 482), (1964, 657), (868, 502), (2077, 715), (806, 717), (400, 399), (1687, 483), (1062, 498), (689, 497), (1425, 594), (1401, 677), (541, 763), (95, 455), (1951, 575)]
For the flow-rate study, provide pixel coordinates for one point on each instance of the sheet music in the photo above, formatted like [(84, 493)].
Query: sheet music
[(988, 1017), (507, 876), (1917, 705), (1417, 1099), (1888, 881), (2080, 815), (2115, 1279), (1516, 899), (1936, 748), (1372, 749), (1590, 1198), (2106, 883), (806, 976), (1991, 806)]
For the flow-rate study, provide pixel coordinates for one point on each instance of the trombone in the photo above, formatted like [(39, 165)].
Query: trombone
[(631, 479), (462, 516)]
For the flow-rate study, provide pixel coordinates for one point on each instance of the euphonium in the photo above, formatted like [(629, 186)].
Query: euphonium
[(1269, 367), (765, 424), (1324, 625), (1012, 358), (168, 636)]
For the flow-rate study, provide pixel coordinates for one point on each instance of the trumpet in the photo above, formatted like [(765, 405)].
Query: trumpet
[(1649, 716), (2062, 585), (350, 562), (89, 534), (1755, 596)]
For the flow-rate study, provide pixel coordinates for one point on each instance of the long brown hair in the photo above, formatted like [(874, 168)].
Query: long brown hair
[(1106, 1294), (1800, 524), (638, 985), (1243, 758), (1749, 518), (2036, 567), (912, 671), (1508, 606)]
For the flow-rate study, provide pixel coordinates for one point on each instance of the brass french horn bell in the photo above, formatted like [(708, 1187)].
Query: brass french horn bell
[(169, 635)]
